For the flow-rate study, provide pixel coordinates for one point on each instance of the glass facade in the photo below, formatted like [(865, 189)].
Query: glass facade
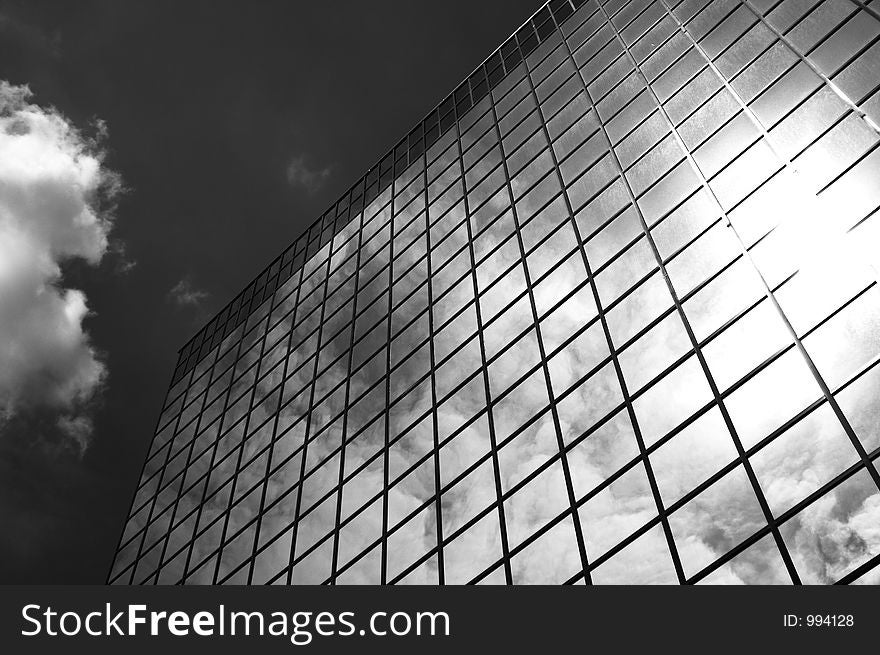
[(610, 314)]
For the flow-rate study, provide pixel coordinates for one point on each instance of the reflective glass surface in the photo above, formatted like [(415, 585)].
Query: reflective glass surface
[(610, 314)]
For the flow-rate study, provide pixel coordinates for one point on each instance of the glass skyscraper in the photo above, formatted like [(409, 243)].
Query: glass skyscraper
[(609, 314)]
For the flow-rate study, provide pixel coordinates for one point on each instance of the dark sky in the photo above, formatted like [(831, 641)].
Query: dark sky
[(206, 104)]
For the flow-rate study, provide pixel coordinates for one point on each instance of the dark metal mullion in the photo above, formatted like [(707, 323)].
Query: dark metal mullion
[(119, 544), (655, 446), (221, 420), (698, 351), (288, 570), (435, 428), (504, 349), (692, 337), (864, 155), (229, 321), (800, 103), (695, 344), (544, 240), (684, 500), (338, 332), (623, 79), (491, 195), (714, 27), (192, 445), (263, 345), (245, 437), (449, 186), (866, 96), (159, 488), (302, 245), (696, 109), (844, 421), (617, 112), (192, 401), (769, 9), (830, 33), (387, 411), (874, 361), (684, 85), (668, 67), (579, 533), (523, 143), (541, 350), (596, 54), (607, 185), (610, 479), (730, 554), (766, 129), (348, 376), (869, 9), (616, 475), (448, 236), (173, 419), (650, 450), (651, 149), (826, 488), (608, 221), (368, 225), (654, 49), (508, 574), (302, 319), (834, 88), (556, 90), (864, 218), (483, 458), (399, 364), (654, 183), (680, 249), (275, 436), (745, 144), (477, 139), (626, 4), (161, 485), (230, 453), (168, 402), (728, 164), (583, 173), (409, 269), (423, 378), (838, 310), (569, 339), (521, 485), (715, 477), (733, 77), (855, 56), (744, 106), (646, 31), (859, 571), (447, 440), (574, 28), (633, 129), (446, 167)]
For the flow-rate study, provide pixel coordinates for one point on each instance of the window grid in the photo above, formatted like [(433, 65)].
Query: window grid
[(702, 360), (582, 553), (603, 153)]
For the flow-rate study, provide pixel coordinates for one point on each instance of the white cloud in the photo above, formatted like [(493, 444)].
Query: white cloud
[(184, 293), (301, 174), (52, 184)]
